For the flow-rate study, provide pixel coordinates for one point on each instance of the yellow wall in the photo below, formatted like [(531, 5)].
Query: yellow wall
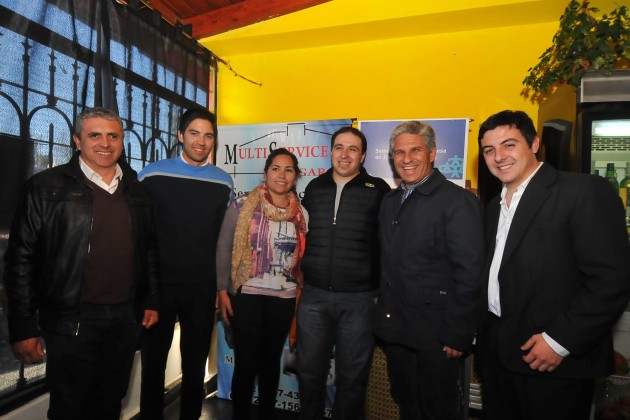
[(464, 74)]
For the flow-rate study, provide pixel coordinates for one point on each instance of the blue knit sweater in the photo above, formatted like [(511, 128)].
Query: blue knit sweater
[(190, 202)]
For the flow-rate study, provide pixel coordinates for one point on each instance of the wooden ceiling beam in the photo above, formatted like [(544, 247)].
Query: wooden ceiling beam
[(244, 13), (166, 9)]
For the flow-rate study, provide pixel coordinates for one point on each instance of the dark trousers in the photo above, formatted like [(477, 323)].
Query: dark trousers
[(342, 321), (509, 395), (194, 306), (260, 326), (88, 374), (425, 384)]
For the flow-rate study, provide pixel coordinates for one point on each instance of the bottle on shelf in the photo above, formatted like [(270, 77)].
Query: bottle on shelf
[(624, 192), (623, 186), (611, 177)]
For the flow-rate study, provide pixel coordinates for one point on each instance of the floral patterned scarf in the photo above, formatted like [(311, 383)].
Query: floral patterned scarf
[(242, 249)]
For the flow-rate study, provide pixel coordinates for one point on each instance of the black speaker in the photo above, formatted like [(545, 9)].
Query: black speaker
[(555, 147), (16, 166)]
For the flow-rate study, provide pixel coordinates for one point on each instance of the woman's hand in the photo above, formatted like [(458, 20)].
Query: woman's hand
[(225, 306)]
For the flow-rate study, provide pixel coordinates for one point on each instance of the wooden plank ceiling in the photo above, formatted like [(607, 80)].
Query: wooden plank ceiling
[(212, 17)]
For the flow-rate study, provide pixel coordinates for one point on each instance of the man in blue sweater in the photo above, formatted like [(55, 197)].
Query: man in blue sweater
[(190, 196)]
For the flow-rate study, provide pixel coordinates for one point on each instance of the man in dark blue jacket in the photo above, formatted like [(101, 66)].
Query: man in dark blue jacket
[(341, 270), (432, 254)]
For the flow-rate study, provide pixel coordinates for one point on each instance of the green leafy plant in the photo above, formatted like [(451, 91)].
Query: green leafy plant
[(583, 42)]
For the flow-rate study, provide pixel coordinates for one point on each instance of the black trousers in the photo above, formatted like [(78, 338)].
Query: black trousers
[(425, 384), (194, 306), (260, 326), (509, 395), (88, 374)]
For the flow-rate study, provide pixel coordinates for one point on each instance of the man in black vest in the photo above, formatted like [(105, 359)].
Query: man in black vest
[(81, 272), (341, 271)]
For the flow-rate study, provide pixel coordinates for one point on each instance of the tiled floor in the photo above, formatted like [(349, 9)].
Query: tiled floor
[(220, 409)]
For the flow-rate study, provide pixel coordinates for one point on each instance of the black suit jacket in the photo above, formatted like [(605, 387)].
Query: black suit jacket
[(565, 271)]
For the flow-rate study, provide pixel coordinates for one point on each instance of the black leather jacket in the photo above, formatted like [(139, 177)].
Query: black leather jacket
[(48, 247)]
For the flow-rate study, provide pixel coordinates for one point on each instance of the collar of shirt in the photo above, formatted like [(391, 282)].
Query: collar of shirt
[(518, 193), (98, 180), (409, 189), (184, 160)]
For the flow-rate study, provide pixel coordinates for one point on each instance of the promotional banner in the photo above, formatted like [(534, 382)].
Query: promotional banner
[(242, 152), (452, 146), (243, 149)]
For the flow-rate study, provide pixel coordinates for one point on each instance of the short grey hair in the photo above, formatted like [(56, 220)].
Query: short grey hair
[(96, 112), (413, 127)]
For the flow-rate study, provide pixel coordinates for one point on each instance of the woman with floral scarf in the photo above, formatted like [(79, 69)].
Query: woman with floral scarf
[(258, 275)]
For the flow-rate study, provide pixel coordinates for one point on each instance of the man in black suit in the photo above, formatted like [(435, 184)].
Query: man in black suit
[(558, 278)]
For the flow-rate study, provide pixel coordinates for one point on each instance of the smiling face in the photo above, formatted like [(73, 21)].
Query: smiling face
[(198, 140), (347, 157), (508, 156), (280, 178), (412, 158), (101, 144)]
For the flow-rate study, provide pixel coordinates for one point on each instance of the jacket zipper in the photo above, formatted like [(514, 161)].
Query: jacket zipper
[(89, 234)]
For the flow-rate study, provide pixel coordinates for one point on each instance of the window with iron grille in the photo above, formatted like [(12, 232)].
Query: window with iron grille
[(58, 57)]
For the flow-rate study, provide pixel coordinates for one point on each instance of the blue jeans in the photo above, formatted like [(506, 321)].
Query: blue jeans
[(343, 321)]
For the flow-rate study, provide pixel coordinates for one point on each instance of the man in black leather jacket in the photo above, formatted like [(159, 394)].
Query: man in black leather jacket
[(80, 271)]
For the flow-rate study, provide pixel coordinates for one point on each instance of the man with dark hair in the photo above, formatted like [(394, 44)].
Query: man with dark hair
[(191, 196), (341, 271), (557, 278), (81, 272), (432, 255)]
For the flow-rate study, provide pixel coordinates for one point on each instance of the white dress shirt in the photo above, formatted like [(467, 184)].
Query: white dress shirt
[(503, 229), (98, 180)]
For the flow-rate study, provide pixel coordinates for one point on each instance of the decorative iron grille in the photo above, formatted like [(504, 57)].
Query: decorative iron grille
[(60, 56)]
